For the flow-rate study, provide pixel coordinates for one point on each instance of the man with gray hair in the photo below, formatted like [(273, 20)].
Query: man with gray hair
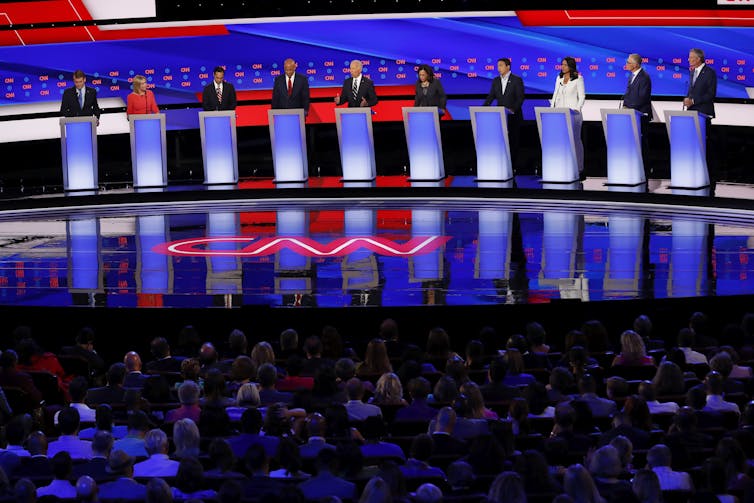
[(638, 96), (702, 88), (659, 460), (358, 91), (158, 464)]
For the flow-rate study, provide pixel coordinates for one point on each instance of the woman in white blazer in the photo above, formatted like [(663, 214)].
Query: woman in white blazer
[(569, 93)]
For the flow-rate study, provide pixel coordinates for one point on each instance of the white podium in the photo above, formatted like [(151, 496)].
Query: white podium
[(688, 149), (493, 154), (622, 128), (422, 125), (149, 159), (219, 147), (559, 160), (288, 138), (78, 143), (356, 143)]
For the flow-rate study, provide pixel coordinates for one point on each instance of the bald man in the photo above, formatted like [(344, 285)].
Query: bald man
[(358, 91), (291, 89)]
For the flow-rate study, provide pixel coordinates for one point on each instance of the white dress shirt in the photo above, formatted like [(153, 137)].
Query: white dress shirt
[(504, 81), (569, 95), (63, 489), (86, 413), (77, 448), (358, 410), (156, 465), (656, 407), (634, 74), (673, 481), (356, 82), (697, 71), (716, 403)]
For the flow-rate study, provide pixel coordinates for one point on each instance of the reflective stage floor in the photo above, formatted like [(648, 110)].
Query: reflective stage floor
[(357, 250)]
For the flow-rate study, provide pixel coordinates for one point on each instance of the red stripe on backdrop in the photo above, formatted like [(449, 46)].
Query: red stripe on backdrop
[(636, 18)]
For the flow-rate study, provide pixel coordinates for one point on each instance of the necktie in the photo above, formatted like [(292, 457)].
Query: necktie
[(355, 89), (693, 79), (290, 86), (219, 94), (81, 99)]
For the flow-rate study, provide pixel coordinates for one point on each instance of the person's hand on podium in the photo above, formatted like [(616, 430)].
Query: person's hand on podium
[(337, 99), (363, 103)]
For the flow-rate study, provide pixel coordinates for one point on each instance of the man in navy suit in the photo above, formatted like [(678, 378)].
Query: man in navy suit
[(291, 89), (219, 95), (80, 100), (638, 96), (702, 85), (508, 90), (358, 91)]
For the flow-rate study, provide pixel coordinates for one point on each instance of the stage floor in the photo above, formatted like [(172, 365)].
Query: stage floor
[(351, 249)]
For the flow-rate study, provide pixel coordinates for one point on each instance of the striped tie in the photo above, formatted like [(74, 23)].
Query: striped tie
[(355, 90), (219, 95)]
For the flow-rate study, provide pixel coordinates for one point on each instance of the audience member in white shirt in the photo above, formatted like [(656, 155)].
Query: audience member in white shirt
[(62, 467), (647, 391), (715, 400), (659, 460)]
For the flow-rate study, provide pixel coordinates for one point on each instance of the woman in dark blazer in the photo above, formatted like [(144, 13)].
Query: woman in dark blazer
[(429, 91)]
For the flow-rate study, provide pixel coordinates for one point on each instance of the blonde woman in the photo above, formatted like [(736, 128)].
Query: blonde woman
[(186, 439), (632, 351), (247, 396), (141, 100), (262, 353), (388, 391)]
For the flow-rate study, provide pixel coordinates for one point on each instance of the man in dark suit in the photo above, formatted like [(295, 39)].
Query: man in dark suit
[(638, 96), (445, 443), (219, 94), (702, 85), (358, 91), (113, 392), (326, 483), (124, 487), (259, 483), (134, 378), (291, 89), (508, 90), (84, 348), (10, 376), (163, 360), (80, 100), (37, 464), (96, 466)]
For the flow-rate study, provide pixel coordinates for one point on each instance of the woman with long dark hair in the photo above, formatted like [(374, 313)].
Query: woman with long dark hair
[(569, 93)]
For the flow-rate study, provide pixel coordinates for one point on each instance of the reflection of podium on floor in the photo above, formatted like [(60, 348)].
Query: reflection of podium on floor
[(562, 235), (622, 128), (689, 259), (623, 268), (687, 130), (559, 160), (493, 251), (78, 143), (493, 156), (224, 272)]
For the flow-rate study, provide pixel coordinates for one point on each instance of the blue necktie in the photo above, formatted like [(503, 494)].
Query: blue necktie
[(81, 99)]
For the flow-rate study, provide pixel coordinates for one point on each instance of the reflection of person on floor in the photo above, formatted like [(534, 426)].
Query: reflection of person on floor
[(569, 93)]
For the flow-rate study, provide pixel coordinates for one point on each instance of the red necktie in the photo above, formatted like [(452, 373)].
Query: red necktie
[(290, 86)]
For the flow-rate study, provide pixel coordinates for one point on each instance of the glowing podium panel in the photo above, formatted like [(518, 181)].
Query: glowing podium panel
[(559, 160), (78, 143), (148, 155), (219, 147), (422, 125), (356, 143), (688, 149), (622, 128), (493, 153), (288, 138)]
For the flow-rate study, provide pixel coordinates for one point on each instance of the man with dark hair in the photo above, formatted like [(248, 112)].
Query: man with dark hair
[(600, 407), (219, 94), (96, 467), (230, 491), (326, 483), (77, 390), (316, 428), (289, 343), (496, 390), (68, 441), (444, 443), (124, 487), (391, 335), (416, 465), (683, 439), (715, 401), (648, 392), (722, 363), (314, 360), (687, 340), (418, 410), (80, 100), (10, 376), (267, 375), (15, 435), (251, 425), (508, 90), (84, 348), (238, 345), (616, 387), (62, 467), (374, 449), (293, 380), (133, 443), (163, 360), (113, 392), (622, 425), (37, 464), (563, 434), (358, 410), (103, 421), (259, 483)]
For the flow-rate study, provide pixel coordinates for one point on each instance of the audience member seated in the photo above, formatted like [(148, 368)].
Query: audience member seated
[(535, 473), (103, 421), (643, 326), (562, 431), (477, 409), (191, 371), (163, 360), (376, 360), (518, 417), (15, 433), (734, 459), (668, 379), (616, 388), (646, 486), (683, 438), (417, 464), (714, 385), (124, 487), (418, 409), (515, 376), (84, 348), (529, 359), (659, 460), (686, 341), (325, 482), (600, 407), (497, 390), (68, 441), (315, 430), (96, 466), (189, 482), (314, 360), (605, 468), (246, 396), (158, 464), (251, 425), (507, 488), (475, 355), (259, 484), (486, 456), (77, 390), (388, 391), (738, 371), (113, 392), (445, 443), (134, 378), (262, 353), (445, 391), (358, 410), (632, 351), (294, 381), (158, 491), (625, 453), (188, 396), (539, 405), (242, 371), (373, 431), (186, 439), (87, 490), (37, 464), (32, 358), (267, 376), (10, 376), (62, 467), (561, 385), (647, 392), (223, 461), (290, 460), (622, 425), (580, 486), (723, 365), (133, 443)]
